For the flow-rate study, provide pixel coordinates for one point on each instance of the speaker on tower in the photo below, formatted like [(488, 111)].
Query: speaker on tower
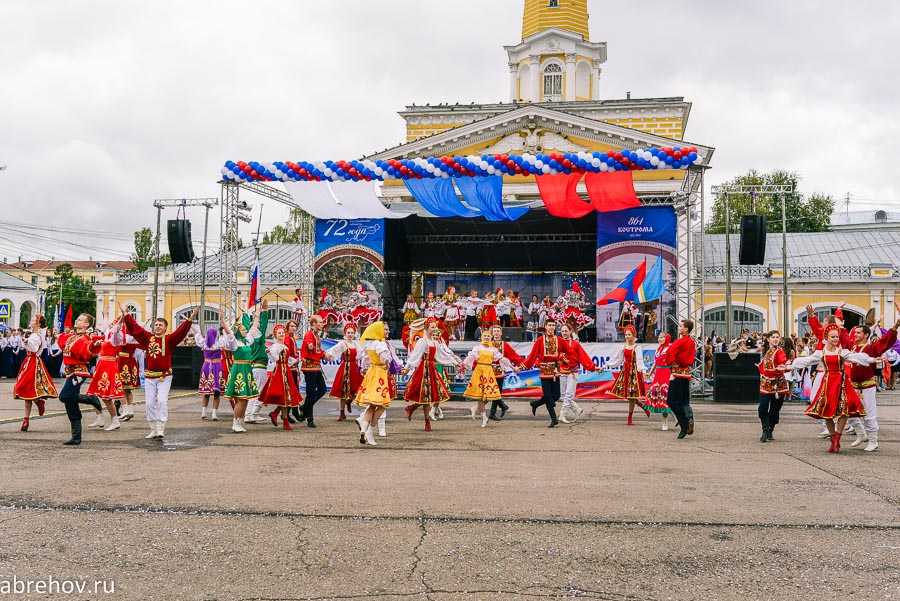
[(753, 240), (180, 248)]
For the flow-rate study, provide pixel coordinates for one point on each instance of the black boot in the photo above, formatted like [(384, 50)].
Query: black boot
[(769, 436), (534, 406), (118, 404), (295, 413), (90, 400), (553, 420), (310, 423), (291, 419), (503, 408), (765, 433), (76, 434), (493, 414)]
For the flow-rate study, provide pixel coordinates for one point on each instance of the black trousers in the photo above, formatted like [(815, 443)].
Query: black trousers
[(504, 321), (679, 400), (499, 402), (71, 396), (471, 326), (549, 395), (315, 390), (769, 410)]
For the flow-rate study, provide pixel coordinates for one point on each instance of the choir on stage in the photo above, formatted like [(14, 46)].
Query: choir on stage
[(279, 380)]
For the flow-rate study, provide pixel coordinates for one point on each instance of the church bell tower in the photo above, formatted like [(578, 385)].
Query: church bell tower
[(555, 61)]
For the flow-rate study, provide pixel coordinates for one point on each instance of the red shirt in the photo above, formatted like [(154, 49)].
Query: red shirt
[(680, 357), (771, 380), (574, 357), (311, 352), (819, 332), (160, 349), (78, 350), (547, 354), (863, 376)]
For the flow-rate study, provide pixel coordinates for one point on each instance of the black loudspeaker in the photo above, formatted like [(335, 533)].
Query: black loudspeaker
[(753, 240), (187, 361), (180, 248), (736, 380), (514, 334)]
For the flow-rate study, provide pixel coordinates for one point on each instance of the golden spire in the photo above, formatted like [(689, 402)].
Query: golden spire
[(571, 15)]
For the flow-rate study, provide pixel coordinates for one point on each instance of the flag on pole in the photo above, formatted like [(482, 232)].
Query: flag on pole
[(627, 287), (253, 296), (69, 321), (652, 286)]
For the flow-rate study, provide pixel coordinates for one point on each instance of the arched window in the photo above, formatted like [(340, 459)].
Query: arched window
[(553, 4), (25, 312), (210, 315), (851, 318), (552, 83), (130, 309)]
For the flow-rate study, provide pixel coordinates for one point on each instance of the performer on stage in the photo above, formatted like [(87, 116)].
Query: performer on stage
[(659, 384), (410, 309), (311, 355), (160, 348), (834, 399), (428, 305), (299, 310), (33, 383), (629, 382), (482, 383), (348, 377), (504, 308), (471, 307), (327, 312), (212, 381), (78, 350), (453, 319), (240, 385), (547, 353), (374, 394), (572, 303), (863, 379), (773, 387), (427, 388), (106, 383), (281, 388), (574, 358), (514, 358), (680, 358)]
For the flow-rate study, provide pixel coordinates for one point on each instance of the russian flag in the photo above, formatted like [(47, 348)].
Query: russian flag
[(253, 296), (626, 290)]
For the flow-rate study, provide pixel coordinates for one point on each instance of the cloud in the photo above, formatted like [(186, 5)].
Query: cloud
[(108, 105)]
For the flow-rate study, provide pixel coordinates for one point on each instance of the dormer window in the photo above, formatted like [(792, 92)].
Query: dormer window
[(553, 4), (552, 83)]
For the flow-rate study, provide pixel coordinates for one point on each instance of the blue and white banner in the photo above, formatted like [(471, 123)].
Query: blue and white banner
[(349, 232), (644, 224)]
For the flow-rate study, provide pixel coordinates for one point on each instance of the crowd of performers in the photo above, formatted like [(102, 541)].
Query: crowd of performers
[(465, 315), (261, 379)]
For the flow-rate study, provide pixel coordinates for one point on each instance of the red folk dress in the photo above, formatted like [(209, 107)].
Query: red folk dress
[(129, 374), (629, 382), (348, 377), (106, 382), (658, 390), (835, 396), (33, 382), (280, 388), (426, 386)]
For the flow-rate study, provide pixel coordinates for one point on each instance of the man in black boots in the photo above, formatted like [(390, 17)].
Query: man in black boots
[(311, 355), (515, 358), (681, 356), (546, 353), (78, 349)]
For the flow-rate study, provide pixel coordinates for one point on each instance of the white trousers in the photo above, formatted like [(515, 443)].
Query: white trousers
[(156, 391), (868, 401), (260, 375), (567, 386)]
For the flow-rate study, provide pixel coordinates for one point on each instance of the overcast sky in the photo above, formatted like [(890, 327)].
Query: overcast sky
[(106, 105)]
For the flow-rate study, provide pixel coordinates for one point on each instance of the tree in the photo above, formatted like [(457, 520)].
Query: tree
[(144, 255), (290, 233), (810, 214), (71, 289)]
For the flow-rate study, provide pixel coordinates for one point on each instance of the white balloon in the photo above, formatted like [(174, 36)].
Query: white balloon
[(545, 168), (603, 167), (539, 164)]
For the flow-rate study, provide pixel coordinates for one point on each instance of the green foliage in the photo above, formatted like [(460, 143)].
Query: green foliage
[(810, 214), (291, 232), (144, 255), (68, 288)]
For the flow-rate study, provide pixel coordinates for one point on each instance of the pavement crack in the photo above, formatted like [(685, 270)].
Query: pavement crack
[(859, 485), (302, 545), (423, 532)]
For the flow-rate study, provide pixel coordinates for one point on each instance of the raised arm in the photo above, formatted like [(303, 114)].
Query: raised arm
[(137, 331), (415, 356), (182, 330)]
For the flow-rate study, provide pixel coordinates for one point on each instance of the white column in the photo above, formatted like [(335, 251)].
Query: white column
[(570, 77), (773, 311), (890, 314), (513, 82), (101, 307), (595, 92), (113, 309), (148, 306), (536, 87)]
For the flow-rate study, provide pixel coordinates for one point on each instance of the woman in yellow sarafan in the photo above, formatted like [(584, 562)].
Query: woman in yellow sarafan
[(374, 393), (483, 386)]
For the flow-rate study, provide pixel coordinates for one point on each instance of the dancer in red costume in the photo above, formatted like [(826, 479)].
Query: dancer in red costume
[(106, 383), (659, 384), (33, 383), (130, 376), (280, 388), (348, 377), (773, 387), (78, 350), (834, 399), (629, 382), (426, 388)]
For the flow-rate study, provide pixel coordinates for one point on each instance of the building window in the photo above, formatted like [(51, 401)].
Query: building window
[(553, 4), (210, 316), (132, 310), (552, 83), (744, 319), (34, 279)]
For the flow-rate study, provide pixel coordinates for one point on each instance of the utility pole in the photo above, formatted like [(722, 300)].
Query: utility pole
[(786, 321)]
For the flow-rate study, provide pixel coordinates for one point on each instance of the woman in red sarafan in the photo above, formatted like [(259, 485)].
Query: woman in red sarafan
[(659, 383), (129, 375), (348, 376), (33, 383), (106, 383), (280, 388), (427, 388), (833, 398), (629, 382)]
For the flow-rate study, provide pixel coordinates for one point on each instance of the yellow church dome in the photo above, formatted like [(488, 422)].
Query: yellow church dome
[(570, 15)]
